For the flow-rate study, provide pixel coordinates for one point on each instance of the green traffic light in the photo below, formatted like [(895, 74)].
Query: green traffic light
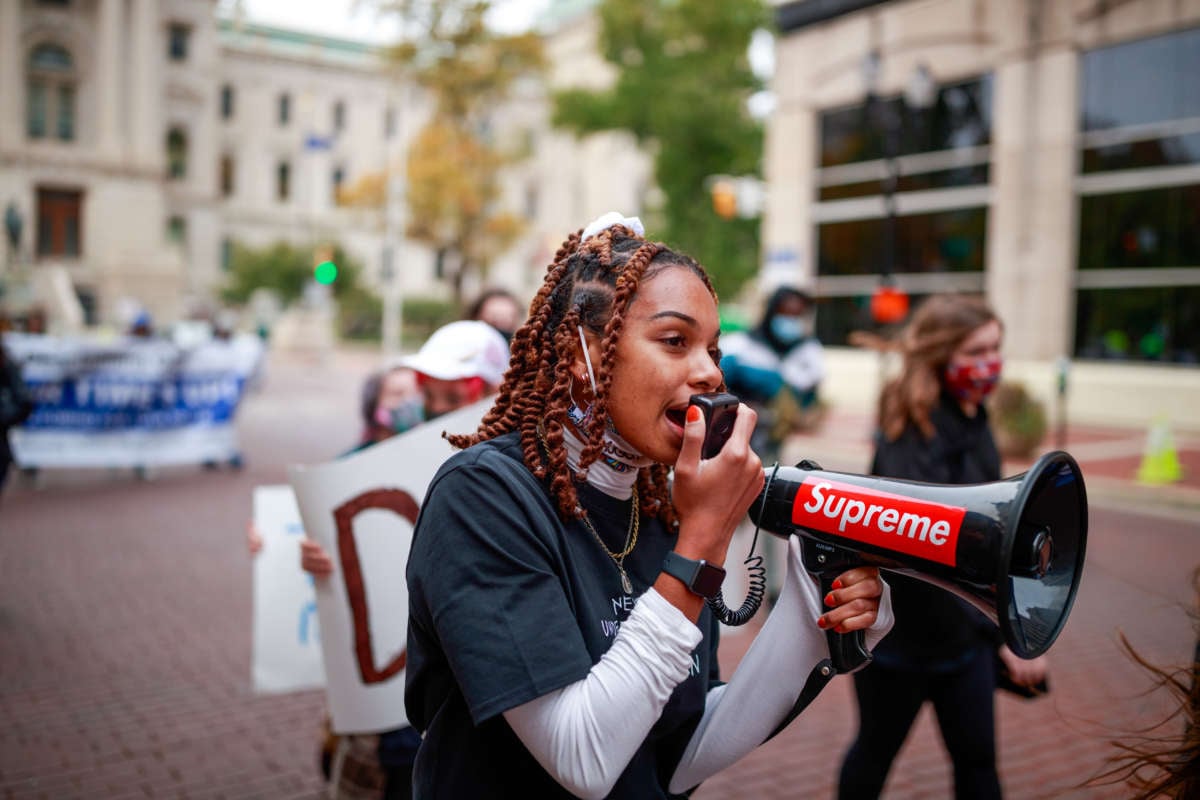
[(325, 272)]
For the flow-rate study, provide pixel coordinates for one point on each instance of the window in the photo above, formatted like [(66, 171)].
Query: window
[(1138, 278), (283, 181), (226, 102), (177, 153), (50, 94), (226, 253), (176, 229), (58, 225), (177, 41), (339, 116), (227, 175), (901, 190), (285, 109)]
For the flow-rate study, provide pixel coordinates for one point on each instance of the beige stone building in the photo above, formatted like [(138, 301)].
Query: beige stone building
[(140, 139), (1043, 152)]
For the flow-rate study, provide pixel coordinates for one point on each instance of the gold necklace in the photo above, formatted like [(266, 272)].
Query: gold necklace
[(631, 536)]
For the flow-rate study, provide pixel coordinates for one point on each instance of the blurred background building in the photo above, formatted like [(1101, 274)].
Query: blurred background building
[(1043, 152)]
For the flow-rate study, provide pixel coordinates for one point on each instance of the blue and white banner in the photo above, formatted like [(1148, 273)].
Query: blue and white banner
[(130, 402)]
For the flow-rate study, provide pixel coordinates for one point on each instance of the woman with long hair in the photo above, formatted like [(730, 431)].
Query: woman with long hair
[(559, 642), (933, 427)]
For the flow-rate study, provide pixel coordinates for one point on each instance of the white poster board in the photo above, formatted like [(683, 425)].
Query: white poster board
[(287, 634), (361, 509)]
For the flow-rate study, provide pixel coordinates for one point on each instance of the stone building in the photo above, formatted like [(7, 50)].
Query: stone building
[(140, 139), (1045, 153)]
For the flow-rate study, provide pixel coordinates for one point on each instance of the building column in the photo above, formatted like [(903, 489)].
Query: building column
[(108, 50), (12, 72), (146, 134), (1032, 236)]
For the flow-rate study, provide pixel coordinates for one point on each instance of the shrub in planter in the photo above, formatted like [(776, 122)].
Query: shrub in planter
[(1018, 420)]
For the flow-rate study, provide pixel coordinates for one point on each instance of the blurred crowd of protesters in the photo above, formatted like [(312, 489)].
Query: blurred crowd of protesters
[(16, 404)]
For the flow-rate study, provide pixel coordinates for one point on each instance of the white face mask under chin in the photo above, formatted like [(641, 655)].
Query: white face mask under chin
[(617, 468)]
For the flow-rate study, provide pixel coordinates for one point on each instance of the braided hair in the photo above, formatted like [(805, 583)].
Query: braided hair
[(589, 283)]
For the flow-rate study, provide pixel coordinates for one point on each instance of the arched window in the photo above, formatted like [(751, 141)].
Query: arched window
[(177, 153), (50, 96)]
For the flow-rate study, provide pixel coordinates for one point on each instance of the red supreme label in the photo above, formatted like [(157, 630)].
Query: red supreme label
[(893, 522)]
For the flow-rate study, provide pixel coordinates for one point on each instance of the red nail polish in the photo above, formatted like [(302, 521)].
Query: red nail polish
[(837, 583), (829, 599), (693, 414), (821, 623)]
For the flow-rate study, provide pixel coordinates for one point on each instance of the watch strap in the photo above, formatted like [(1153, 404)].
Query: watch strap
[(699, 576)]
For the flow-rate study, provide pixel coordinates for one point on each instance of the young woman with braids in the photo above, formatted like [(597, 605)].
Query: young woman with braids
[(551, 650)]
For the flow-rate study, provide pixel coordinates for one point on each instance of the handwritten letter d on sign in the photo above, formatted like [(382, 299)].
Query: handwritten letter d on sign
[(402, 503)]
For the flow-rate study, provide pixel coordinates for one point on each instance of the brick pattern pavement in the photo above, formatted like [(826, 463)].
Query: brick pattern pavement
[(125, 635)]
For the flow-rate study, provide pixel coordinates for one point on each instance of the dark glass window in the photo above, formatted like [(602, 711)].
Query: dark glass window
[(227, 175), (285, 108), (946, 241), (177, 41), (1140, 82), (961, 116), (176, 229), (177, 155), (1152, 228), (58, 224), (838, 317), (970, 175), (50, 94), (1145, 324), (283, 181), (227, 98)]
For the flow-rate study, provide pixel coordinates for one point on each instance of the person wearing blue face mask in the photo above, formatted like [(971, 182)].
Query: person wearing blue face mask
[(776, 368)]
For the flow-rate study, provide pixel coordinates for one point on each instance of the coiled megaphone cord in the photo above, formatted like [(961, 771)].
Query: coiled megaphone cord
[(756, 577)]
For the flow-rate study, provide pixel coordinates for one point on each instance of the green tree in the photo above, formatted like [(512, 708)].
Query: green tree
[(285, 269), (683, 79), (453, 166)]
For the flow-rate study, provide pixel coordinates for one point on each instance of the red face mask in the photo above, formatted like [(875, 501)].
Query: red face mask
[(973, 380)]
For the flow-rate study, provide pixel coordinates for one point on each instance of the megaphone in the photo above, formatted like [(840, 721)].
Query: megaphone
[(1013, 548)]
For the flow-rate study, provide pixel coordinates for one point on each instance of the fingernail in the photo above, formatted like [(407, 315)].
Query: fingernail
[(840, 629), (837, 583), (821, 623), (829, 599), (693, 414)]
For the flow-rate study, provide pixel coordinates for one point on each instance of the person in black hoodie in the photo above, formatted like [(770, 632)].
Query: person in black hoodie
[(933, 427)]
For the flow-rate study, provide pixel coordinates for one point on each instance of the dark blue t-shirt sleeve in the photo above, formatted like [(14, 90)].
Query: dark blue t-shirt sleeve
[(484, 571)]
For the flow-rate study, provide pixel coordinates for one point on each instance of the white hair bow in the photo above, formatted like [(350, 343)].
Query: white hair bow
[(606, 221)]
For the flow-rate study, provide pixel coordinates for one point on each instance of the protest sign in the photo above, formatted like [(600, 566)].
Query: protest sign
[(361, 509), (130, 402), (287, 633)]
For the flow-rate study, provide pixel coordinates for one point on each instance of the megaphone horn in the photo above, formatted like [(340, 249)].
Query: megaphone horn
[(1013, 548)]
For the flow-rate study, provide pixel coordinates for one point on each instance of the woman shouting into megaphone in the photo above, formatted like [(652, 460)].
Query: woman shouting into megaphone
[(559, 641)]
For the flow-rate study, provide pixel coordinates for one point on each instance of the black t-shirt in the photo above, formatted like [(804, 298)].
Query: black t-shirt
[(508, 603), (936, 631)]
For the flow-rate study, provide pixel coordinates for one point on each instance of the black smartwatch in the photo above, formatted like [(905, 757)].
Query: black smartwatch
[(700, 577)]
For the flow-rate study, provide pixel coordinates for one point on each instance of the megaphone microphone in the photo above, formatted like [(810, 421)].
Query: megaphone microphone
[(1012, 548)]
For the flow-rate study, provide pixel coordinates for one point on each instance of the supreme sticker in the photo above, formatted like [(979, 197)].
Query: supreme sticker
[(893, 522)]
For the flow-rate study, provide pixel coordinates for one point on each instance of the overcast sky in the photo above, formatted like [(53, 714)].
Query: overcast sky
[(353, 18)]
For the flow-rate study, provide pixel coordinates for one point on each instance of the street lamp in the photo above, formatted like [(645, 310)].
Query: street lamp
[(889, 304)]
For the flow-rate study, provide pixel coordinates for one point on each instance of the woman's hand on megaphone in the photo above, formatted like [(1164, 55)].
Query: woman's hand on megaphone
[(860, 600), (712, 495)]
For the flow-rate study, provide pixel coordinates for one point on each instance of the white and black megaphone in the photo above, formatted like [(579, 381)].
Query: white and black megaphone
[(1013, 548)]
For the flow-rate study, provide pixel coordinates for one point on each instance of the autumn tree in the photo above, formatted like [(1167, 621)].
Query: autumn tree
[(453, 166), (683, 79)]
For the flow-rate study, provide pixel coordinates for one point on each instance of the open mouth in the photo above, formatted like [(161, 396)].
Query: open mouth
[(677, 416)]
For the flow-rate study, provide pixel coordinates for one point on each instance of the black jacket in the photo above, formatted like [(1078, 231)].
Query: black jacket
[(936, 631)]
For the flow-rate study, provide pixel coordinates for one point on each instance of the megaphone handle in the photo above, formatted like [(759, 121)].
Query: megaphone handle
[(848, 651)]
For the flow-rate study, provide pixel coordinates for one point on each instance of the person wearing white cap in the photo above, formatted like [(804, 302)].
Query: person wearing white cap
[(459, 364)]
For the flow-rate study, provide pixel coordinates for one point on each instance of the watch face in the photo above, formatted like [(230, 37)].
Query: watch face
[(708, 580)]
